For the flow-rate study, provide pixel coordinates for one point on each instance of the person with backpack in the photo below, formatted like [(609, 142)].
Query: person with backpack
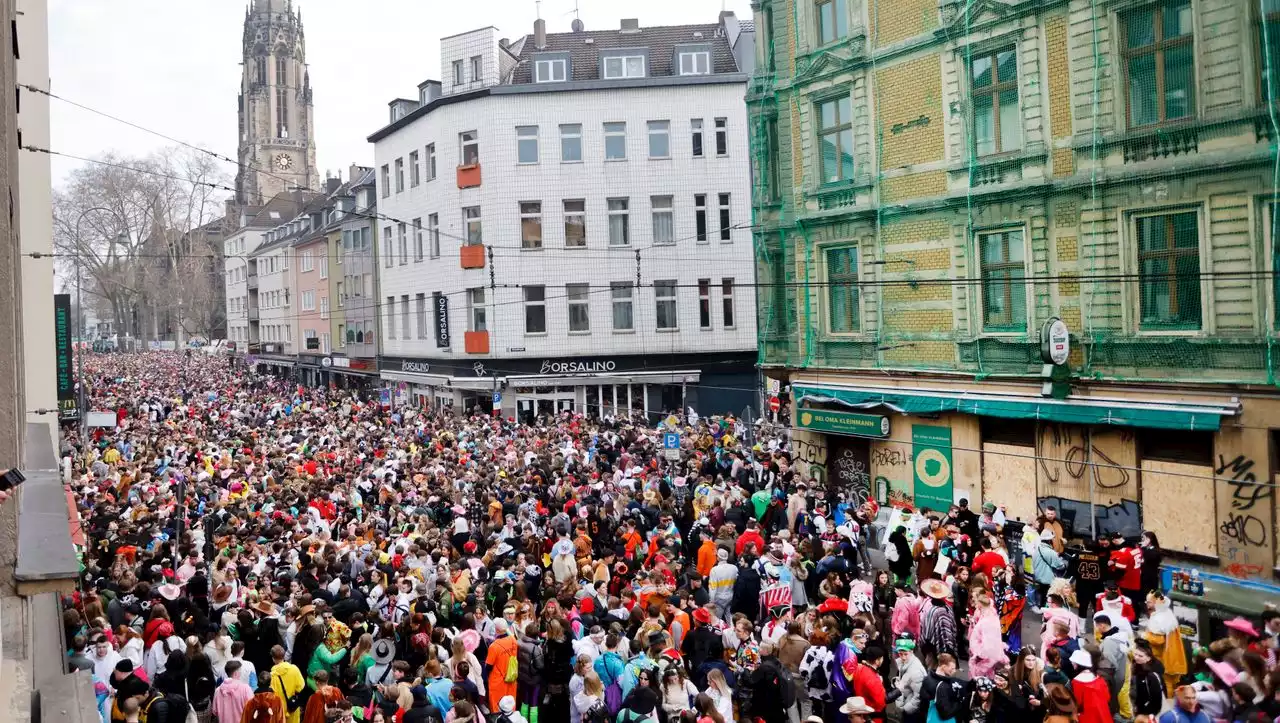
[(773, 690), (503, 660), (160, 707), (288, 684)]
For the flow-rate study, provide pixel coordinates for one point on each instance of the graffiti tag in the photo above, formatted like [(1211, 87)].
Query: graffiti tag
[(1243, 570), (1246, 529), (886, 457), (1245, 490)]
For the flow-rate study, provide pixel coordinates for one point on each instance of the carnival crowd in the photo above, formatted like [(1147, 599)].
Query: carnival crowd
[(259, 552)]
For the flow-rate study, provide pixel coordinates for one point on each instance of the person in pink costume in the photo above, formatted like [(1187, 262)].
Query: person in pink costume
[(986, 648)]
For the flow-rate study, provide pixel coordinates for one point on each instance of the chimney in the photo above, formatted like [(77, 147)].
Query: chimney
[(630, 25), (504, 43), (539, 33), (354, 172)]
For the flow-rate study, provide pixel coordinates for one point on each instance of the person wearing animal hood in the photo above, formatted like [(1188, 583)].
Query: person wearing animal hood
[(1165, 636)]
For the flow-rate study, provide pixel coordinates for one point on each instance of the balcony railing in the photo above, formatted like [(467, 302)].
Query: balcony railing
[(469, 176), (476, 342), (251, 281), (472, 256)]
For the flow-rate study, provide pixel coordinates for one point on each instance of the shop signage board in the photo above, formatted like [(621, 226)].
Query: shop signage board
[(850, 423), (441, 303), (931, 452)]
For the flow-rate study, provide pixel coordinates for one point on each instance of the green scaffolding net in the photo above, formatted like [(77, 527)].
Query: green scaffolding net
[(936, 180)]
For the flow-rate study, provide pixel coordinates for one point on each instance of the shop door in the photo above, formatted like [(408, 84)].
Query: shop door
[(849, 467)]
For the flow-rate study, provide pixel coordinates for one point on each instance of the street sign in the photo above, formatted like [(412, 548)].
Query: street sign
[(775, 386), (774, 404), (671, 440), (497, 398)]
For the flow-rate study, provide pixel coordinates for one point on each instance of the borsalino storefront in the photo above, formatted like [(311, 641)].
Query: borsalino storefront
[(710, 383)]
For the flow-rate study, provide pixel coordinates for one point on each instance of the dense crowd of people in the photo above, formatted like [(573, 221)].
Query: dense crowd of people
[(263, 553)]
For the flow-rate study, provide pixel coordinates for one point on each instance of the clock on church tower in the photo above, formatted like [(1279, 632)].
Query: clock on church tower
[(283, 161)]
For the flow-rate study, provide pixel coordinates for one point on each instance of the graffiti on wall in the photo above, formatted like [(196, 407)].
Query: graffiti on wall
[(883, 456), (1124, 517), (812, 452), (1243, 540), (1062, 457), (851, 469)]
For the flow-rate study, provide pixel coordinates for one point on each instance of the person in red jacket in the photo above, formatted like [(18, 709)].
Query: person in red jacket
[(867, 683), (987, 561), (1126, 567), (751, 535)]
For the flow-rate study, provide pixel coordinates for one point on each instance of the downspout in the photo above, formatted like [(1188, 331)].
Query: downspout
[(808, 319)]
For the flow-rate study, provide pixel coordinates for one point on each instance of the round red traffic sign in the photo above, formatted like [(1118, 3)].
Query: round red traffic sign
[(774, 404)]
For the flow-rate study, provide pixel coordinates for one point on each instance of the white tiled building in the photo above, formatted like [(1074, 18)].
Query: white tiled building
[(572, 228)]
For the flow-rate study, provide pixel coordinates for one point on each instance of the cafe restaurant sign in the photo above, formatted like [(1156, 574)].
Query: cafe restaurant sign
[(850, 423)]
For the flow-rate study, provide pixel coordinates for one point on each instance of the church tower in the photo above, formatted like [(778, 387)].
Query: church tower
[(277, 128)]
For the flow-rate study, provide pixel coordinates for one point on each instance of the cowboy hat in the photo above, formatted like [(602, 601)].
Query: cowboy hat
[(306, 610), (1241, 625), (264, 608), (169, 591), (702, 615), (936, 589), (1224, 672), (384, 651), (221, 593), (856, 705)]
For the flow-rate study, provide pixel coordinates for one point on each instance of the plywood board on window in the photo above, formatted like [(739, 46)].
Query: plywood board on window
[(1177, 505), (1009, 479)]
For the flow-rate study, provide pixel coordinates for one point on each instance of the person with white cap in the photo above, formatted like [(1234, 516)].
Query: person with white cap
[(507, 712), (1046, 563), (1093, 697)]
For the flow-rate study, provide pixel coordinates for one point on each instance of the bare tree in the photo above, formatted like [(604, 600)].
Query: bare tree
[(138, 229)]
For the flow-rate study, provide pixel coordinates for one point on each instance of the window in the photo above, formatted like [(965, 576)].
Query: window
[(386, 181), (695, 127), (530, 224), (722, 136), (459, 75), (405, 323), (477, 68), (324, 265), (1269, 51), (342, 297), (431, 162), (415, 176), (664, 297), (704, 303), (324, 307), (366, 244), (475, 300), (833, 21), (842, 289), (575, 223), (1175, 445), (549, 71), (623, 318), (619, 225), (773, 161), (470, 147), (417, 240), (615, 141), (726, 302), (695, 63), (579, 311), (399, 175), (700, 216), (571, 142), (535, 310), (307, 263), (624, 66), (433, 234), (527, 144), (663, 220), (997, 124), (835, 140), (1169, 270), (726, 233), (1004, 292), (471, 221), (420, 302), (659, 139), (308, 301), (402, 237), (1159, 62)]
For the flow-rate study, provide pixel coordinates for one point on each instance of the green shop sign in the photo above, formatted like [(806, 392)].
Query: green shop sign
[(852, 423)]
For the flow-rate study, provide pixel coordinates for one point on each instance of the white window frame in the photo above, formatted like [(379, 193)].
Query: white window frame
[(530, 210), (540, 302), (615, 129), (580, 214), (695, 62), (570, 132), (724, 216), (700, 209), (467, 220), (429, 163), (402, 237), (622, 293), (459, 73), (704, 304), (309, 300), (659, 129), (415, 173), (624, 212), (668, 295), (579, 295), (417, 240), (433, 234), (477, 68), (324, 265), (477, 310), (524, 136), (386, 180), (623, 66), (468, 139), (388, 248), (400, 175), (406, 319), (663, 206), (324, 307), (306, 262), (545, 70), (722, 137), (420, 307), (728, 308)]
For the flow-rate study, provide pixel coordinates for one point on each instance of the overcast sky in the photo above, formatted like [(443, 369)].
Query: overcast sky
[(174, 65)]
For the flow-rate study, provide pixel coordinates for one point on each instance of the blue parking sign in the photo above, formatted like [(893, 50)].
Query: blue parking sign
[(671, 440), (497, 398)]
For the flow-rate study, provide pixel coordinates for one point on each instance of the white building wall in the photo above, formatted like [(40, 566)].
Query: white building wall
[(482, 42), (506, 183), (283, 315), (236, 249)]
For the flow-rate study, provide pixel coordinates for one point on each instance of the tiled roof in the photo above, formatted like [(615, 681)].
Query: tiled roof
[(584, 57)]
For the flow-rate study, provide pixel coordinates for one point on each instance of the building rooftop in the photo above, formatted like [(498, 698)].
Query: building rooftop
[(586, 47)]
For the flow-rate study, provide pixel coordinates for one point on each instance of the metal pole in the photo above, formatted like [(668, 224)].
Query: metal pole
[(82, 395), (1088, 478)]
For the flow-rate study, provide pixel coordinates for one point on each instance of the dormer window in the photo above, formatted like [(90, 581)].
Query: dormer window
[(549, 71), (624, 66), (695, 63)]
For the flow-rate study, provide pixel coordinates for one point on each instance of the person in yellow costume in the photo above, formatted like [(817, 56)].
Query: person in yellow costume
[(286, 682), (1166, 639)]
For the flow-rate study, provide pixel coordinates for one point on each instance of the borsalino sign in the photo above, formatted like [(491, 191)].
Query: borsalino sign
[(416, 367), (551, 366)]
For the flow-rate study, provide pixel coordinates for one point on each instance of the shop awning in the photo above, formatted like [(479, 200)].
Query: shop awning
[(1073, 410)]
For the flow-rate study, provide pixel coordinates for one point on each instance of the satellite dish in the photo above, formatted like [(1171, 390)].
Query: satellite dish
[(577, 25)]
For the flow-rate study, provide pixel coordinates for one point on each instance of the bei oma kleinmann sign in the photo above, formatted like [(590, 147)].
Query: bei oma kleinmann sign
[(851, 423)]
